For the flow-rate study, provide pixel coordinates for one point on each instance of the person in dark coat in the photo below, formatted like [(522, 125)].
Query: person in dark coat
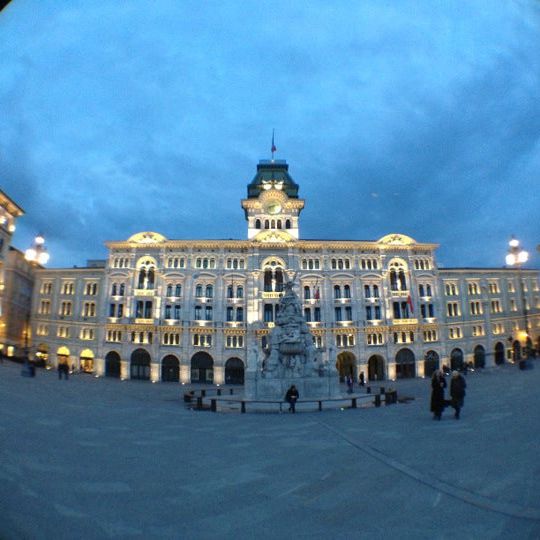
[(438, 384), (291, 397), (457, 392), (362, 379)]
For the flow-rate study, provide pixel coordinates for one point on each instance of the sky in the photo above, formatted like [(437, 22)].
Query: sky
[(413, 117)]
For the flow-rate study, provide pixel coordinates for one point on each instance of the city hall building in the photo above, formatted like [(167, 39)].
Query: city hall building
[(190, 310)]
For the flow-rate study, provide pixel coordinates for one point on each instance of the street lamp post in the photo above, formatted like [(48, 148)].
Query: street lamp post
[(37, 253), (517, 257)]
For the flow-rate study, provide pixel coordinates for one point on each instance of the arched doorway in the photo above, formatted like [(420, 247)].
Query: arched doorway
[(456, 360), (234, 371), (202, 368), (170, 369), (112, 364), (516, 351), (376, 371), (431, 363), (86, 361), (479, 357), (140, 365), (346, 365), (42, 355), (405, 364), (63, 356), (499, 353)]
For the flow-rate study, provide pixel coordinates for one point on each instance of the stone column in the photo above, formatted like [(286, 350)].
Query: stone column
[(99, 367), (185, 374), (155, 375), (392, 371), (219, 374), (124, 369)]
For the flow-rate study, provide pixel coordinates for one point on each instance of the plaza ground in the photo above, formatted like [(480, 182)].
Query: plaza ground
[(100, 458)]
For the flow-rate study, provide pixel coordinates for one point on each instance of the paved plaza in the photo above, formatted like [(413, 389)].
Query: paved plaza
[(101, 458)]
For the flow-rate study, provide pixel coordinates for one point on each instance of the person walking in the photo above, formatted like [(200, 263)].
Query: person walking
[(438, 384), (457, 392), (349, 384), (362, 380), (291, 397)]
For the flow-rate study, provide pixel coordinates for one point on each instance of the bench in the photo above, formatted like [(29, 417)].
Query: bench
[(376, 399)]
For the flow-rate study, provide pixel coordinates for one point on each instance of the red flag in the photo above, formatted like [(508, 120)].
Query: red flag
[(317, 294), (409, 302)]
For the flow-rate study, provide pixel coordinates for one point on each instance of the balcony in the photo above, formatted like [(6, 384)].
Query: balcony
[(399, 294), (396, 322), (271, 295), (143, 321), (374, 322), (144, 292)]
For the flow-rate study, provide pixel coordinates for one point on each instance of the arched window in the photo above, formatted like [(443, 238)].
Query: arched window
[(402, 281), (288, 224), (240, 314), (257, 223), (393, 280), (266, 224), (375, 291), (198, 291), (209, 291), (178, 290), (367, 292), (279, 280), (113, 290), (122, 289), (347, 291), (421, 290), (230, 291), (239, 292), (169, 290), (268, 280), (307, 293), (279, 223), (337, 291)]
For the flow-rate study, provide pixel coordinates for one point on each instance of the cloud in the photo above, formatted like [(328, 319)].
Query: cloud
[(117, 120)]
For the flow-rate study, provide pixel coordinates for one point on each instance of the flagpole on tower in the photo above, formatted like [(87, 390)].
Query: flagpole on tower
[(273, 149)]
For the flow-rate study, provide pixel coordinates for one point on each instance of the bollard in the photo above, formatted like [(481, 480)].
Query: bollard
[(231, 391), (199, 403), (243, 409), (354, 403), (213, 406), (368, 390), (382, 389), (377, 400), (203, 393), (219, 391)]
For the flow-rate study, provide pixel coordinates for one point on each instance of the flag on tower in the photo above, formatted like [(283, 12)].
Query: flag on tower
[(273, 145), (409, 303)]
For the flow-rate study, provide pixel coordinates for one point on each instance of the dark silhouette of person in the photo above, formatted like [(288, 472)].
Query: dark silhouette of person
[(291, 397), (438, 384), (457, 392), (362, 379)]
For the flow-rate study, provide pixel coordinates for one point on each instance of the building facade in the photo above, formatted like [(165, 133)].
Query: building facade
[(189, 310), (16, 280)]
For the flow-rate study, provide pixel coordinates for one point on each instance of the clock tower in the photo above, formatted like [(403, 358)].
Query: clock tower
[(272, 207)]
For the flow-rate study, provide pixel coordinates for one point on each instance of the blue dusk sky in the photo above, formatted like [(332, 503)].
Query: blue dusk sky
[(413, 117)]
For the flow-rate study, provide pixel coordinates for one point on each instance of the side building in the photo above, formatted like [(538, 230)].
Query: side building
[(189, 310), (16, 281)]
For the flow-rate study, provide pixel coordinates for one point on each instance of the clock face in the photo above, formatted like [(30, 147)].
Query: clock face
[(274, 207)]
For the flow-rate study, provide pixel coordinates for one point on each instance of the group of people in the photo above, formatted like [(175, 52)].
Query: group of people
[(457, 393)]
